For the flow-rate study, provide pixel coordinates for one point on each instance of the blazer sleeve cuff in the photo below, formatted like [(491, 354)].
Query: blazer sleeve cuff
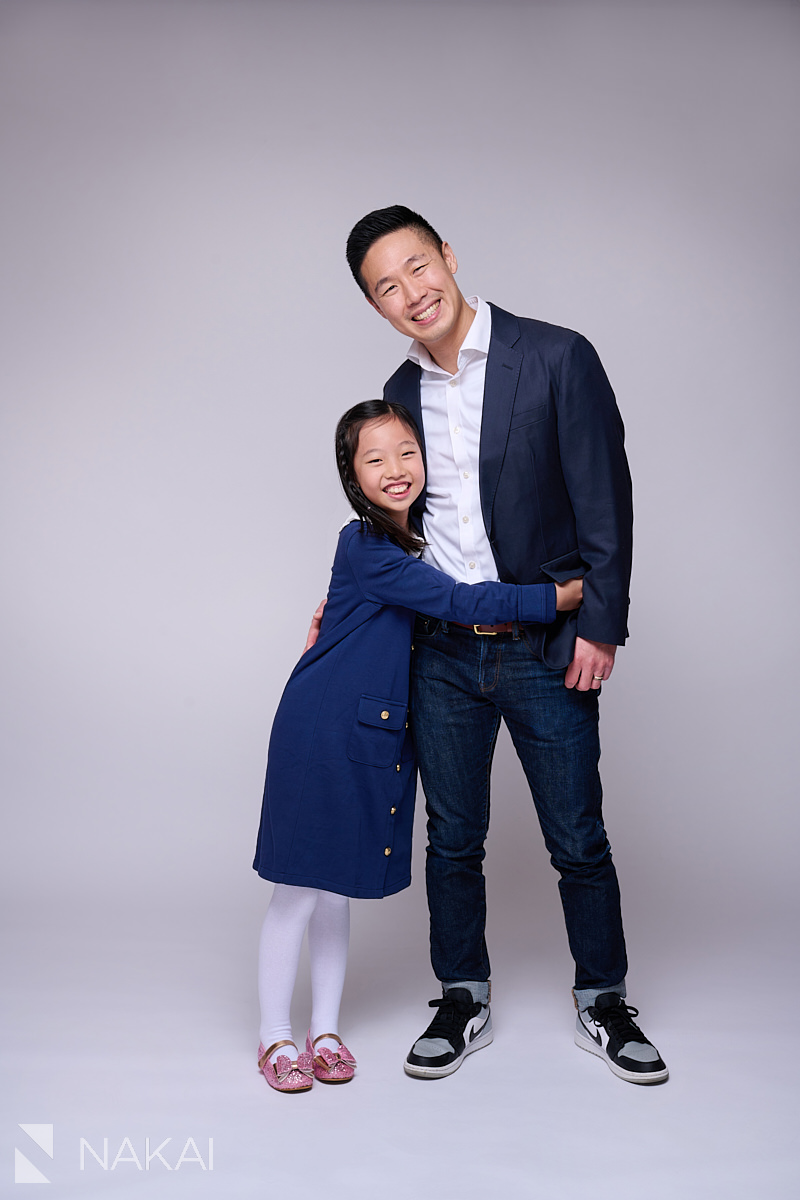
[(537, 603), (613, 633)]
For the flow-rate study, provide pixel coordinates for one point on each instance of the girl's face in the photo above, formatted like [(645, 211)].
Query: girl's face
[(388, 467)]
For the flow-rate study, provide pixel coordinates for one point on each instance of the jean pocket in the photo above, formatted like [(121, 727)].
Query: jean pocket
[(426, 626), (377, 730)]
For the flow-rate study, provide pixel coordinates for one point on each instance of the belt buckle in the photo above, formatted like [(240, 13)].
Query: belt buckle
[(485, 632)]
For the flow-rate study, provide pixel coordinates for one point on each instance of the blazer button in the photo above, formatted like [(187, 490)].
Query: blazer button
[(392, 811), (387, 851), (384, 715), (397, 768)]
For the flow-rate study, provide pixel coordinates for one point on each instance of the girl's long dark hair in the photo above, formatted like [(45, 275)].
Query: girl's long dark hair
[(348, 430)]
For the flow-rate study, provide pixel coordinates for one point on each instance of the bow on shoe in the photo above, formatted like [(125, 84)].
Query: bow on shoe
[(331, 1066), (286, 1074), (284, 1066), (330, 1059)]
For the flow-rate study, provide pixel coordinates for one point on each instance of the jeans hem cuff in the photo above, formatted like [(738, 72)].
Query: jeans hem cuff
[(585, 997)]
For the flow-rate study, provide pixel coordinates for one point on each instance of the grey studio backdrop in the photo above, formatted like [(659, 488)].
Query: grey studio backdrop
[(181, 334)]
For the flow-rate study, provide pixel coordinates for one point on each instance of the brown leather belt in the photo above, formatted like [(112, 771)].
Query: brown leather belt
[(506, 627)]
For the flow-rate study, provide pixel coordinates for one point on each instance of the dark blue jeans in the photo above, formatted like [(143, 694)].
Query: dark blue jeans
[(462, 684)]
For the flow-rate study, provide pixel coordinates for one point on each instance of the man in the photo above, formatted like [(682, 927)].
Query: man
[(527, 481)]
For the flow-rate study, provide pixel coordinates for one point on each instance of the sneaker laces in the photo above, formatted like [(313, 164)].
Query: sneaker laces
[(618, 1023), (453, 1014)]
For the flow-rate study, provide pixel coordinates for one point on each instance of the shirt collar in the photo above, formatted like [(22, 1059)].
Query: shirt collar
[(475, 344)]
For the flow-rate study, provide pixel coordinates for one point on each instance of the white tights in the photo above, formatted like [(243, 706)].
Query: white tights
[(327, 916)]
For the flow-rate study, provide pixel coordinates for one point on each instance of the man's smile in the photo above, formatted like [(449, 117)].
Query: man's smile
[(428, 313)]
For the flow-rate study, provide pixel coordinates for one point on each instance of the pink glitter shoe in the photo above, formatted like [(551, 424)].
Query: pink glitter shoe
[(286, 1075), (331, 1066)]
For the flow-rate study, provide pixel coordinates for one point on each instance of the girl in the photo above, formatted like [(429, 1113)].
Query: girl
[(339, 797)]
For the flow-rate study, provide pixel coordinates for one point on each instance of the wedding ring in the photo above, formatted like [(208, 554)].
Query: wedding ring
[(600, 677)]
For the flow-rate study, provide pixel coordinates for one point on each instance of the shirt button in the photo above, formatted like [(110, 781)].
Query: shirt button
[(466, 474), (472, 566), (453, 383), (465, 520), (392, 811), (456, 429), (387, 851), (384, 715)]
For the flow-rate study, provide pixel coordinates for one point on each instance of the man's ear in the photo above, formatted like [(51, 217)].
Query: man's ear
[(369, 300), (449, 258)]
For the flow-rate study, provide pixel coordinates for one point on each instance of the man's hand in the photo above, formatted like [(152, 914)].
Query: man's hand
[(313, 631), (592, 664)]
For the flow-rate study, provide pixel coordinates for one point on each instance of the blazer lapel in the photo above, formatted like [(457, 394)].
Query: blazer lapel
[(404, 388), (503, 367)]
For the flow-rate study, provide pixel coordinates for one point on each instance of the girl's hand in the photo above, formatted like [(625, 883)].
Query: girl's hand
[(316, 621), (569, 595)]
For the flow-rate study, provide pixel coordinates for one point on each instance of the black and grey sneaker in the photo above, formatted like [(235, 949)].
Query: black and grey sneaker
[(607, 1029), (460, 1026)]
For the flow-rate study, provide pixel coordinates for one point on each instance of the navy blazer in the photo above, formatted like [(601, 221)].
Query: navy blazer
[(554, 480), (339, 796)]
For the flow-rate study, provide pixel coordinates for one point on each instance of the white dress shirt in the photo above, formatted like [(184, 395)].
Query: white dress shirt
[(452, 408)]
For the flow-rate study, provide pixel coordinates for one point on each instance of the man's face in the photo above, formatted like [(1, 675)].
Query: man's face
[(411, 284)]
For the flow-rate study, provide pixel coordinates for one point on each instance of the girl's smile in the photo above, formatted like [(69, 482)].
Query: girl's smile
[(388, 467)]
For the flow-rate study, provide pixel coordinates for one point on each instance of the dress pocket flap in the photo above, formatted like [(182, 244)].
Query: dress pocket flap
[(566, 566), (384, 714)]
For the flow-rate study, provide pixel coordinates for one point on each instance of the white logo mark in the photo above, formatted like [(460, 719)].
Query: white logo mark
[(24, 1170)]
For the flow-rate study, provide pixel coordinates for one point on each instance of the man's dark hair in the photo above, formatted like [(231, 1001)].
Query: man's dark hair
[(376, 225)]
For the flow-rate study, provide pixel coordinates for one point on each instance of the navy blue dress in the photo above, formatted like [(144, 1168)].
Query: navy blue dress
[(338, 804)]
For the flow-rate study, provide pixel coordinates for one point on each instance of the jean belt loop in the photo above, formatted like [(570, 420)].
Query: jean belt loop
[(444, 627), (515, 634)]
